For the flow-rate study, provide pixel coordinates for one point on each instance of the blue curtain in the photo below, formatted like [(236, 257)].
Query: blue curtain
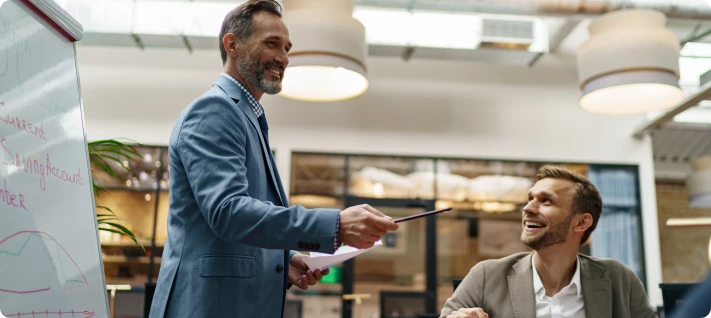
[(617, 235)]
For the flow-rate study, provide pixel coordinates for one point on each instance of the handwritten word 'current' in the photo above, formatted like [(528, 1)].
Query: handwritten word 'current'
[(43, 169), (22, 124), (11, 199)]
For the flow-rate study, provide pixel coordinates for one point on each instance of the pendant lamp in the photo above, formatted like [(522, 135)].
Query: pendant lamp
[(328, 59), (630, 64)]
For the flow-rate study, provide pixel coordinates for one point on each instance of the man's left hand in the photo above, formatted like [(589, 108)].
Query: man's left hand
[(299, 273)]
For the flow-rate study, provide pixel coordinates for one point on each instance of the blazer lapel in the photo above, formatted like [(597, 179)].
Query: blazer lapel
[(243, 104), (280, 187), (597, 291), (521, 289)]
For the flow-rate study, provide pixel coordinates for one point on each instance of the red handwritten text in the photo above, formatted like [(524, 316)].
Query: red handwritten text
[(11, 199), (42, 169), (22, 124), (46, 313)]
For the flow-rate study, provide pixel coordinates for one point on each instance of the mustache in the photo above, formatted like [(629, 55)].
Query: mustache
[(273, 64), (532, 218)]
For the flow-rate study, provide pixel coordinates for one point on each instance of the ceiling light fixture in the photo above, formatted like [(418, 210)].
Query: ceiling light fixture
[(327, 62), (630, 64)]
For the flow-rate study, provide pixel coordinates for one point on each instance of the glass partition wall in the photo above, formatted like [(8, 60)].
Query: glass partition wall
[(413, 271)]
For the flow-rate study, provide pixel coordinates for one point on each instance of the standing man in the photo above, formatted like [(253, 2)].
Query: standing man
[(230, 227), (553, 281)]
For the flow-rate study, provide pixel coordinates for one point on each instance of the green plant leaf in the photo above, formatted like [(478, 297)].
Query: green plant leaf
[(110, 145), (106, 219), (109, 214), (121, 228), (105, 166), (101, 207), (101, 154), (98, 189), (114, 155), (124, 231), (105, 229)]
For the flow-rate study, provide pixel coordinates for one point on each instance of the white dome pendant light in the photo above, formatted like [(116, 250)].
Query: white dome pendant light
[(328, 60), (630, 64)]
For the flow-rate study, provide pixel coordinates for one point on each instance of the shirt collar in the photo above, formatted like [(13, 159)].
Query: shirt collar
[(538, 285), (256, 106)]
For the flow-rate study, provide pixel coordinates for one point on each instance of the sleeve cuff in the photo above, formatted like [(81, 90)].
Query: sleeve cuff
[(336, 243)]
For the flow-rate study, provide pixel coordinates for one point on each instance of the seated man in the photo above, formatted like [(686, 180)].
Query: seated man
[(554, 280)]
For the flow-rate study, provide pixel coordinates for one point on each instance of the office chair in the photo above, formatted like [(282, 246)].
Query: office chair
[(455, 283), (672, 295), (402, 304), (696, 301)]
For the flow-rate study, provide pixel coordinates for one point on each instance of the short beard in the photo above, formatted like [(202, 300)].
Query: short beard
[(253, 73), (555, 235)]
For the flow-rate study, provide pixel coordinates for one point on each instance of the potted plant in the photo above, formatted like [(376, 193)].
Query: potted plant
[(101, 153)]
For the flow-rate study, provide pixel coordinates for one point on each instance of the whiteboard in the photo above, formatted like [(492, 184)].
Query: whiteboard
[(50, 257)]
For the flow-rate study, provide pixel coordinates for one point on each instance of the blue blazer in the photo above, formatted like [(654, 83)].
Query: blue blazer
[(230, 230)]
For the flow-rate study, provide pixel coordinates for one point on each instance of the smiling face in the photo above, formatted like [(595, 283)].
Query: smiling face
[(263, 57), (548, 216)]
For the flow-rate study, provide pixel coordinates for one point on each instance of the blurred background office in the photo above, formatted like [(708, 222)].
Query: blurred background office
[(420, 104)]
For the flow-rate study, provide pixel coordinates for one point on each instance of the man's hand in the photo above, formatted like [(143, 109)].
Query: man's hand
[(299, 273), (469, 313), (361, 226)]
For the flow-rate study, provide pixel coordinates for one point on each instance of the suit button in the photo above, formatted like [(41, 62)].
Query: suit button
[(280, 268)]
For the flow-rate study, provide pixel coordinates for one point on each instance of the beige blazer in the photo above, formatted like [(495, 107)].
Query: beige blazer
[(504, 289)]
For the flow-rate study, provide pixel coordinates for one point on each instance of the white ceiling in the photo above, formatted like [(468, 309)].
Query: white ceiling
[(184, 75), (176, 77)]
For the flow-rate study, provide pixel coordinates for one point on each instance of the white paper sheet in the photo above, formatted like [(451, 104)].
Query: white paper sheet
[(344, 253)]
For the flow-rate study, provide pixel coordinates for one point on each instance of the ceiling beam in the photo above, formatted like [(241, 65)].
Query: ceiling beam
[(138, 41), (565, 30), (187, 43), (554, 43), (697, 37), (535, 59), (682, 9), (657, 122)]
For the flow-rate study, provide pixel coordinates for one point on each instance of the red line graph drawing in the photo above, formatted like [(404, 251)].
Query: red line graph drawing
[(45, 236), (46, 313), (23, 292)]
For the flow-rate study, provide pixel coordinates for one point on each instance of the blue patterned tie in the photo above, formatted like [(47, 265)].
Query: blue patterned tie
[(265, 128)]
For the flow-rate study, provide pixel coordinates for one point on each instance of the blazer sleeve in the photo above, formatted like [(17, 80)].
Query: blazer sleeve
[(212, 147), (639, 303), (469, 293)]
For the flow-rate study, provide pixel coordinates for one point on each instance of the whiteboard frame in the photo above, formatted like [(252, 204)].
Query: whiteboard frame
[(58, 18), (91, 179)]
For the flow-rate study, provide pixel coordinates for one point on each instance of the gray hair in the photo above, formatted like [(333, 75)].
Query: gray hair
[(239, 20)]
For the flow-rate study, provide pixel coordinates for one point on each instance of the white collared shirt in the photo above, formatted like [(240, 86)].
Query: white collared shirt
[(567, 303)]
